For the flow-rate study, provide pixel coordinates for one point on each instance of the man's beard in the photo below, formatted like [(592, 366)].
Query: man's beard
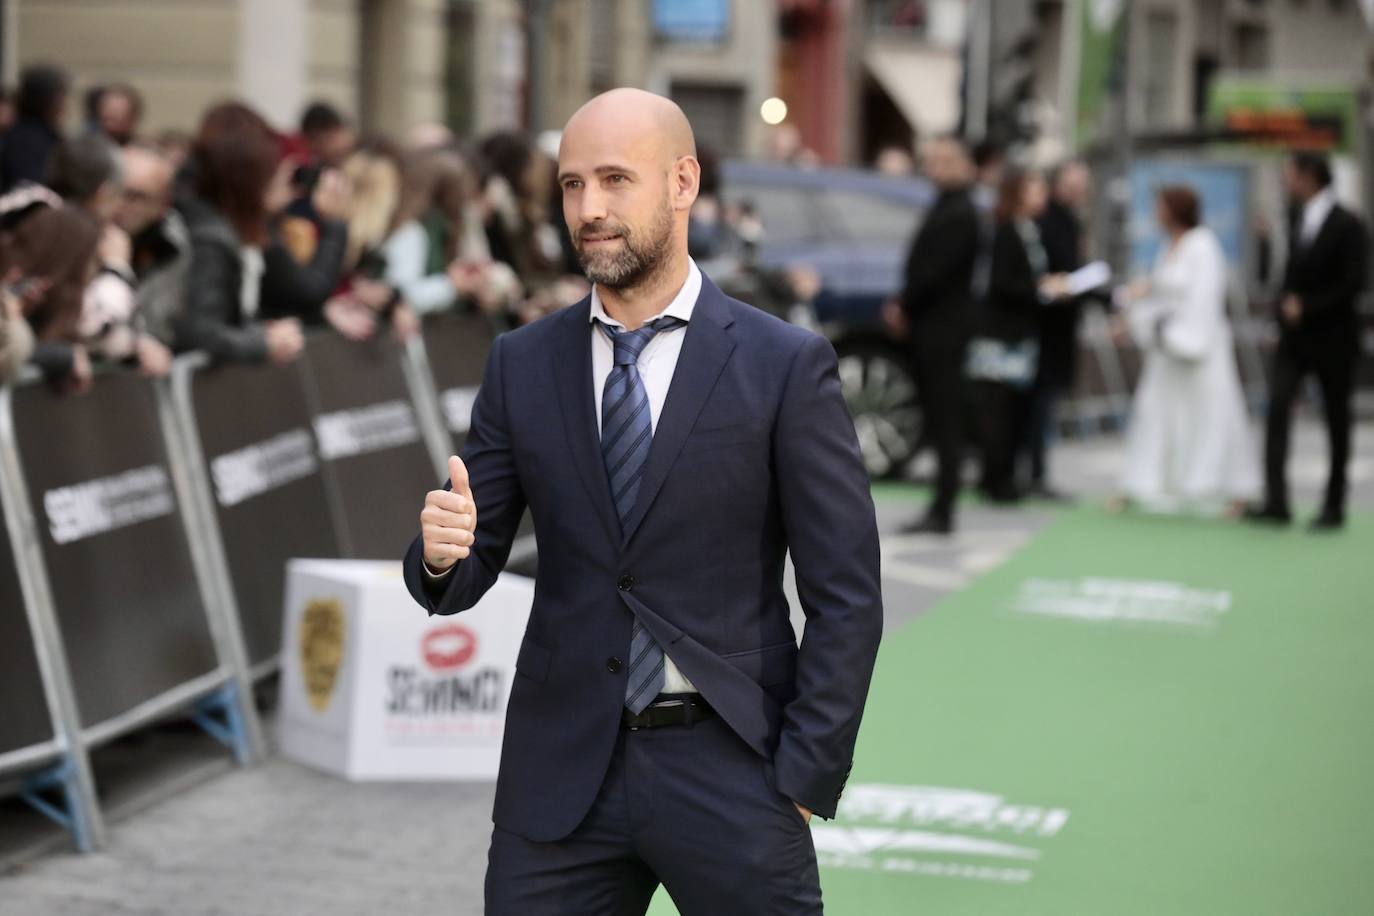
[(640, 257)]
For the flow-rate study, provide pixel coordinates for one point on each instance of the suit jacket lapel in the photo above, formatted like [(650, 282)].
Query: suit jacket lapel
[(573, 374), (705, 349)]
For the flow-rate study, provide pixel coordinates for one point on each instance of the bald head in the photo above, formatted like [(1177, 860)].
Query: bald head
[(629, 174), (634, 116), (147, 190)]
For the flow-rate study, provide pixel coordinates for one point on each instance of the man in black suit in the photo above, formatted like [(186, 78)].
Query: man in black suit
[(673, 445), (1319, 333), (937, 303), (1061, 234)]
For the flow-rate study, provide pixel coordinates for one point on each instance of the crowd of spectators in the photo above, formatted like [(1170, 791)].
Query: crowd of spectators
[(121, 246)]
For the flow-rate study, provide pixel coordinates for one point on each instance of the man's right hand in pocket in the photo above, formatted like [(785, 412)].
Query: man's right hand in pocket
[(448, 523)]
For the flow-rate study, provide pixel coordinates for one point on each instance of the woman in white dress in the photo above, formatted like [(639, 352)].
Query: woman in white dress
[(1188, 447)]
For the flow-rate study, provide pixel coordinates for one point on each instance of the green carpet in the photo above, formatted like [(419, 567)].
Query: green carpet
[(1134, 715)]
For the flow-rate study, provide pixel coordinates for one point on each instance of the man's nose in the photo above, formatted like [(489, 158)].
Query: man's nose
[(592, 205)]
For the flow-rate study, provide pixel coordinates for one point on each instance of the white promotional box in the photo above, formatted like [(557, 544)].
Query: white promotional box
[(372, 687)]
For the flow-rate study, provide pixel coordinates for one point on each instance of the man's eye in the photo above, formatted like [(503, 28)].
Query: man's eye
[(571, 185), (618, 179)]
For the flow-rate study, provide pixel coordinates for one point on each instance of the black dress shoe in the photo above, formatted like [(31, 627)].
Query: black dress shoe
[(1268, 515), (931, 524), (1328, 521)]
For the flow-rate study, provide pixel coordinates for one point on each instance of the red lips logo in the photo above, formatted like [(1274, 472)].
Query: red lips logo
[(449, 646)]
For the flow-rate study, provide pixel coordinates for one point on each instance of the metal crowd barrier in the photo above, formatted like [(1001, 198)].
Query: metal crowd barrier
[(371, 439), (28, 733), (112, 564), (460, 344), (258, 485), (39, 733), (148, 523), (326, 464)]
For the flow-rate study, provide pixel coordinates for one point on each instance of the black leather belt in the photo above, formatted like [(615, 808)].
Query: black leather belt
[(669, 709)]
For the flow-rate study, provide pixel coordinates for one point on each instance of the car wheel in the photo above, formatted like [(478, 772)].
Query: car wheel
[(881, 394)]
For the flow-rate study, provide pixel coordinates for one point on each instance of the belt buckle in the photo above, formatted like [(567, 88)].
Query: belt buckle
[(685, 704), (674, 703)]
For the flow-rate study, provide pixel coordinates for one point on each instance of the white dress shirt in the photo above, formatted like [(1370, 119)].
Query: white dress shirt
[(657, 363), (1314, 213)]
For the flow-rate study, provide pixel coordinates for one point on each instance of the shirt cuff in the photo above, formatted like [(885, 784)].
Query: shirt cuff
[(431, 574)]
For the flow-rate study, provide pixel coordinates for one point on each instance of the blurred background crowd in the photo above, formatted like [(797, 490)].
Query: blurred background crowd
[(125, 246)]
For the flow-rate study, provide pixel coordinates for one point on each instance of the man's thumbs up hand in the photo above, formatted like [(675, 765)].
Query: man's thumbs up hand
[(448, 523), (458, 476)]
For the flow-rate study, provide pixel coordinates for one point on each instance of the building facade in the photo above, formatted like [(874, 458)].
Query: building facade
[(393, 63), (716, 58), (856, 75), (476, 65)]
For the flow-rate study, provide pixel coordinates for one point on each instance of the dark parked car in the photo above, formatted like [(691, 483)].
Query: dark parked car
[(853, 228)]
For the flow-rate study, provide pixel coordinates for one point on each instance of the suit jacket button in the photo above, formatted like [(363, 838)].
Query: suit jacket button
[(625, 583), (613, 664)]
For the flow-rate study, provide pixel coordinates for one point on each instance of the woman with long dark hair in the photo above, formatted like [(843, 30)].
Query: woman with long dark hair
[(438, 255), (523, 230), (239, 183), (1004, 352), (48, 259)]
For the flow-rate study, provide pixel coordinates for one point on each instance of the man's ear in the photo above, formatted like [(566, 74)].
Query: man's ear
[(686, 182)]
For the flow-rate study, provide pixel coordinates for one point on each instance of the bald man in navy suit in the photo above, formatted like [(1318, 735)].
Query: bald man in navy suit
[(672, 445)]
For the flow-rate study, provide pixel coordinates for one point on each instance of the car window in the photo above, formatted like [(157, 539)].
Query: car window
[(868, 217), (788, 214)]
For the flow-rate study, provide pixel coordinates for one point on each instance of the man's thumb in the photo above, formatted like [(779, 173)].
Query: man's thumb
[(458, 474)]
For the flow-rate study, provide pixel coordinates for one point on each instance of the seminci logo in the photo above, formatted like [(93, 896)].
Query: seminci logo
[(930, 830), (1100, 600), (447, 647)]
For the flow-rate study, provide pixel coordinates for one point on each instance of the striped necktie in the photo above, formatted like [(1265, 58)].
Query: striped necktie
[(626, 434)]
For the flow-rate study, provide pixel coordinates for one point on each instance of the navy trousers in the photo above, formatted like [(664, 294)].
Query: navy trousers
[(695, 809)]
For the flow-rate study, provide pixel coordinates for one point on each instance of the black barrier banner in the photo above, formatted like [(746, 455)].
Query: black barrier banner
[(370, 441), (269, 497), (114, 545), (26, 720), (457, 346)]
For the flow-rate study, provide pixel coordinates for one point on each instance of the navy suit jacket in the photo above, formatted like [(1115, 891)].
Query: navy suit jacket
[(754, 454)]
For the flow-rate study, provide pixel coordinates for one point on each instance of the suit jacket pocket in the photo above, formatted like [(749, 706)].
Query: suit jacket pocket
[(735, 434), (533, 660), (775, 664)]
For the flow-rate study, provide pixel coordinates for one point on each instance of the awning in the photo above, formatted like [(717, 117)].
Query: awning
[(922, 81)]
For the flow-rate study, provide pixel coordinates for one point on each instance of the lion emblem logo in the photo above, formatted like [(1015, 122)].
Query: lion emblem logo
[(322, 649)]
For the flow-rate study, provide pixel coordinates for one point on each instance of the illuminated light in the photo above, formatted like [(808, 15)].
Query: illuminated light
[(773, 110)]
